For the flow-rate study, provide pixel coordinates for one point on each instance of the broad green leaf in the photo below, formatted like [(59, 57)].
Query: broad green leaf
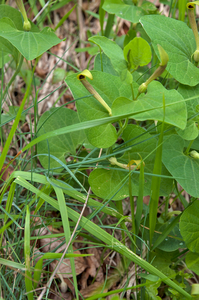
[(175, 108), (30, 44), (137, 52), (184, 168), (109, 87), (128, 12), (59, 146), (190, 132), (105, 183), (192, 262), (189, 92), (112, 50), (13, 14), (178, 41), (189, 226)]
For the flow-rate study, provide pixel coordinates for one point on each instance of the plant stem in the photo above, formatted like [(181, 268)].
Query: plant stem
[(188, 148)]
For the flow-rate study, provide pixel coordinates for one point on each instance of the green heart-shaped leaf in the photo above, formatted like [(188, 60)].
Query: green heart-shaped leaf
[(178, 41), (31, 43)]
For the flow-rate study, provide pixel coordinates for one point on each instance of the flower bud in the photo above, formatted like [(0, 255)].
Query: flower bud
[(164, 58), (142, 88), (194, 154), (196, 56)]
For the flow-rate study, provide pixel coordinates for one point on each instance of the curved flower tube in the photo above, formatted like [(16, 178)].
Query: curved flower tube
[(82, 77)]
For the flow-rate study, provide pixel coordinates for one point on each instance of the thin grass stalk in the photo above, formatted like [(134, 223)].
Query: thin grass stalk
[(155, 184), (139, 208), (66, 225), (16, 122), (28, 276), (101, 16), (1, 100), (120, 210), (8, 206)]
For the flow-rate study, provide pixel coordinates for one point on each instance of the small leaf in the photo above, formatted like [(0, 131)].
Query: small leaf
[(137, 53)]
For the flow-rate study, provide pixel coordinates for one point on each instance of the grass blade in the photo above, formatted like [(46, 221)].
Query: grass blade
[(138, 215), (28, 277), (66, 225), (155, 184)]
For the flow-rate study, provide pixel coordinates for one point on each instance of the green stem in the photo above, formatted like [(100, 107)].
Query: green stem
[(1, 100), (26, 24), (133, 96), (188, 148)]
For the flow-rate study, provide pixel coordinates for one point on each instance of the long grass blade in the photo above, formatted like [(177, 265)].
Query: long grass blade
[(155, 184), (66, 225), (28, 276)]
